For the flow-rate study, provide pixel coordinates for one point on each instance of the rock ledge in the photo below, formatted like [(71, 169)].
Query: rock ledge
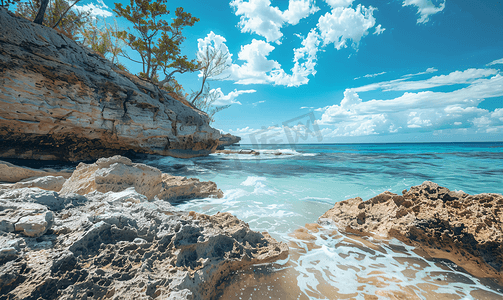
[(466, 229)]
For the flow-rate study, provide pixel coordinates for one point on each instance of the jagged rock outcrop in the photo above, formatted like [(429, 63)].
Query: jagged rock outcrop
[(119, 245), (227, 140), (61, 101), (117, 173), (466, 229)]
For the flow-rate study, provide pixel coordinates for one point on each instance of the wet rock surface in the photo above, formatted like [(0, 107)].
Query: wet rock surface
[(119, 245), (61, 101), (466, 229)]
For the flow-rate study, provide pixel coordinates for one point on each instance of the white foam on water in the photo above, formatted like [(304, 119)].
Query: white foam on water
[(264, 154), (389, 269)]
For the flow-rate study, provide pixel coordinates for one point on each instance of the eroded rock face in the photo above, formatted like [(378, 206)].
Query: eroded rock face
[(61, 101), (466, 229), (119, 245), (117, 173)]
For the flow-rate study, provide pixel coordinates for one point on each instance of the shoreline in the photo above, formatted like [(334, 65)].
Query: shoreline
[(312, 232)]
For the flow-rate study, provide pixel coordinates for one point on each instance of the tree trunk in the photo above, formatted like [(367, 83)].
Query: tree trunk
[(39, 19)]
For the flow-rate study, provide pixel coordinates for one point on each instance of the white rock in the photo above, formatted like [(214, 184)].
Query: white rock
[(50, 183), (35, 226)]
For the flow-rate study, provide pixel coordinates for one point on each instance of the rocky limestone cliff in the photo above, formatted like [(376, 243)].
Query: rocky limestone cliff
[(61, 101), (112, 242), (466, 229)]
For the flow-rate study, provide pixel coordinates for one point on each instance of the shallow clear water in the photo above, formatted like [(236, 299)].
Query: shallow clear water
[(285, 188)]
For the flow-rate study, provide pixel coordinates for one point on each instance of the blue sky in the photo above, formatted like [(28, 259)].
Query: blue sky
[(339, 71)]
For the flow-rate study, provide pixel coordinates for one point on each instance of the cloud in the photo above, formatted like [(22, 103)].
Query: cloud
[(256, 67), (258, 16), (342, 25), (339, 3), (496, 62), (214, 42), (458, 77), (425, 8), (257, 103), (428, 71), (101, 9), (305, 62), (229, 98), (379, 29), (425, 111), (371, 75)]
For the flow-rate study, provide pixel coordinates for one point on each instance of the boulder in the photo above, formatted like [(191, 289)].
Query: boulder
[(12, 173), (118, 173), (466, 229), (114, 174), (50, 183), (62, 101), (35, 226), (175, 188)]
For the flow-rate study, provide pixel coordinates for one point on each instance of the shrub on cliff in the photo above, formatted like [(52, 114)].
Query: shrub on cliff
[(104, 40), (57, 14)]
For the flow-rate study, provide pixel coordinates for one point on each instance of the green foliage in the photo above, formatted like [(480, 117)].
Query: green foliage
[(104, 40), (58, 15), (157, 41)]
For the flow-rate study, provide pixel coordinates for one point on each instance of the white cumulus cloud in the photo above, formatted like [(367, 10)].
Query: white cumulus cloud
[(342, 25), (425, 8), (421, 111), (339, 3), (258, 16)]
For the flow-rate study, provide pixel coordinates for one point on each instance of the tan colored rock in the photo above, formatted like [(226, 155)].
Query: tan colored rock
[(62, 101), (114, 174), (35, 226), (179, 188), (117, 173), (49, 183), (12, 173), (466, 229)]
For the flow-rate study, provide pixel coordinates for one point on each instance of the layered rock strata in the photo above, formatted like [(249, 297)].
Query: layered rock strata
[(119, 244), (466, 229), (61, 101)]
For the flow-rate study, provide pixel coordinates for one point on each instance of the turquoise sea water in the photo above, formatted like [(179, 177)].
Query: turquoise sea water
[(284, 188)]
